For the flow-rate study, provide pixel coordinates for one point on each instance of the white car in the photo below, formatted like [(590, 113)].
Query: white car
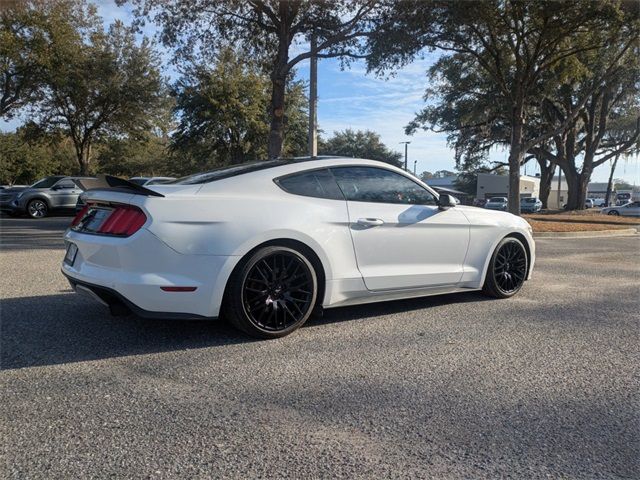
[(497, 203), (631, 209), (268, 243)]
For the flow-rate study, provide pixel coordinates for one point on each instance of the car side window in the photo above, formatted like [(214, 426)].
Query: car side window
[(371, 184), (66, 184), (314, 183)]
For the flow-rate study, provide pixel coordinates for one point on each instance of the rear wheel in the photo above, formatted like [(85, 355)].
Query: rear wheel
[(507, 269), (37, 208), (271, 293)]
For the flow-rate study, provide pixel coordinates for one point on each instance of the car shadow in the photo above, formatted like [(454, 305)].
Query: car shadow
[(67, 328)]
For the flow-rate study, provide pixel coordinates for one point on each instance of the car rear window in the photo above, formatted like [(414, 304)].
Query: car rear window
[(314, 183), (496, 199)]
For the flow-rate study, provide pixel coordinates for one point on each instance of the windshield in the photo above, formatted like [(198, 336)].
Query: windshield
[(497, 200), (528, 200), (47, 182), (226, 172)]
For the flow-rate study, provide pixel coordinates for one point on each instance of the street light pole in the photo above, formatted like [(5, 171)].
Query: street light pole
[(415, 162), (406, 144)]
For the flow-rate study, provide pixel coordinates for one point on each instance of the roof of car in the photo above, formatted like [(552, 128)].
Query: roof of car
[(249, 167)]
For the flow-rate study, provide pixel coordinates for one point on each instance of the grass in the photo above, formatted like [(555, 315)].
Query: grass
[(578, 221), (547, 226)]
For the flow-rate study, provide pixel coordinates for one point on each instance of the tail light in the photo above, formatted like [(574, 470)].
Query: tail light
[(120, 220), (79, 216)]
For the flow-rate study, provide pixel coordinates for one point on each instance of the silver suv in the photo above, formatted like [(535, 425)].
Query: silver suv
[(47, 195)]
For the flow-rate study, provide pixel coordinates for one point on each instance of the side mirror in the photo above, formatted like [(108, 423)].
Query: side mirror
[(446, 201)]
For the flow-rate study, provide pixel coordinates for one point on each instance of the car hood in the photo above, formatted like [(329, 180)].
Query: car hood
[(13, 190)]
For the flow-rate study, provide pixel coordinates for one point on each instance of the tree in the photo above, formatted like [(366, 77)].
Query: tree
[(97, 83), (512, 44), (23, 49), (359, 144), (607, 125), (223, 113), (265, 30), (25, 158)]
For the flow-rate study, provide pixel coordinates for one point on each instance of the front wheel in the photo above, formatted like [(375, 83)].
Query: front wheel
[(614, 212), (507, 270), (271, 293), (37, 208)]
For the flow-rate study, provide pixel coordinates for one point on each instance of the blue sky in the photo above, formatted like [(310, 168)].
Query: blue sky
[(352, 99)]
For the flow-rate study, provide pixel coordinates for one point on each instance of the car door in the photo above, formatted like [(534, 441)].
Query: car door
[(400, 236), (64, 194)]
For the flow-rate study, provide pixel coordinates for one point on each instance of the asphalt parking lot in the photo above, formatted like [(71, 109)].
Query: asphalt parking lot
[(544, 385)]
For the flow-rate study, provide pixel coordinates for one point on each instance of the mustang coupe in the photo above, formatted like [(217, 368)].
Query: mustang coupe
[(266, 244)]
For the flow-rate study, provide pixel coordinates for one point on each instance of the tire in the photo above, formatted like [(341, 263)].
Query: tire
[(614, 213), (507, 270), (271, 293), (37, 208)]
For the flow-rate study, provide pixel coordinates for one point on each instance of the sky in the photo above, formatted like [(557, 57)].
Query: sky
[(351, 98)]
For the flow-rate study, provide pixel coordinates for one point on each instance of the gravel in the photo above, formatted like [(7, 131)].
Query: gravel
[(544, 385)]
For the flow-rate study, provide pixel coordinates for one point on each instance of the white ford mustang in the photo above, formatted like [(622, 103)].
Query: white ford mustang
[(267, 243)]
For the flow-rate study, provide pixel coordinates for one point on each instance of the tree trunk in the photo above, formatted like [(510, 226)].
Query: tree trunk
[(276, 133), (516, 155), (83, 154), (546, 178), (583, 186), (607, 197)]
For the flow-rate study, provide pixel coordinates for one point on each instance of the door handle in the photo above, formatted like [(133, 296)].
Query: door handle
[(369, 222)]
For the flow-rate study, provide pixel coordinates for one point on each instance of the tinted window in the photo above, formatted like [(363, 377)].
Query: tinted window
[(497, 199), (66, 184), (46, 182), (316, 183), (370, 184)]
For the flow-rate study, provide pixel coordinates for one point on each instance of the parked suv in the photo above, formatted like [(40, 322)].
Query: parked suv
[(47, 195)]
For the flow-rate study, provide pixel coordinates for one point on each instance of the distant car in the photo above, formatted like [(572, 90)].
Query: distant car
[(146, 181), (497, 203), (530, 205), (53, 193), (589, 203), (7, 195), (631, 209), (599, 202)]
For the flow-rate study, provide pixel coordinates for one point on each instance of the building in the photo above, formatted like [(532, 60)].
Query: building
[(448, 183), (490, 185)]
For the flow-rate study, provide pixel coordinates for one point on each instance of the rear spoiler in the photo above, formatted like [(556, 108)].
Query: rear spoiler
[(108, 182)]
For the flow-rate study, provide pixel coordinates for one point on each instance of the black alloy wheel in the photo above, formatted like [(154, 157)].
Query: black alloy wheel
[(613, 212), (273, 293), (507, 270)]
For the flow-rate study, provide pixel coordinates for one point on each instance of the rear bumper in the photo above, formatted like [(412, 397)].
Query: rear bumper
[(132, 271), (112, 298)]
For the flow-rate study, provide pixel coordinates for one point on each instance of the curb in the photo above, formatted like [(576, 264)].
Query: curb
[(621, 232)]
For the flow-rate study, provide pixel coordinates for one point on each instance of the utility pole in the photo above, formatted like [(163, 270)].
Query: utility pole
[(313, 100), (406, 144), (415, 162)]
